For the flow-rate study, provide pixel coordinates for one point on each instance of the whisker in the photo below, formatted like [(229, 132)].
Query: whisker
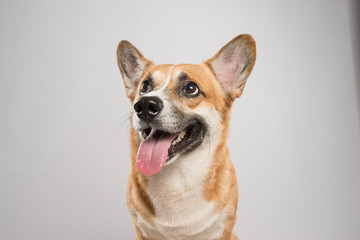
[(126, 120)]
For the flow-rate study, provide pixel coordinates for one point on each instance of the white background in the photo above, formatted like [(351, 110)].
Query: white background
[(64, 149)]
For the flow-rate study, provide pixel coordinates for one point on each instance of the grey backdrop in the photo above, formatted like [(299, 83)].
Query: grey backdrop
[(294, 135)]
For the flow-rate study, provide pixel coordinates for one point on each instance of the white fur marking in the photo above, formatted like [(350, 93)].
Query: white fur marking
[(167, 79)]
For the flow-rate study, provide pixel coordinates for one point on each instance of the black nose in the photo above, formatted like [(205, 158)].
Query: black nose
[(147, 108)]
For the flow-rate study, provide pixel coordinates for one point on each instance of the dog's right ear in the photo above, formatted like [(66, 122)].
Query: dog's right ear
[(132, 65)]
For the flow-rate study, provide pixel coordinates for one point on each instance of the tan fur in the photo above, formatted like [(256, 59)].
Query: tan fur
[(218, 186)]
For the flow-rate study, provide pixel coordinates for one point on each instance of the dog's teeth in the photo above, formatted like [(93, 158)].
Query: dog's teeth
[(179, 138), (182, 134)]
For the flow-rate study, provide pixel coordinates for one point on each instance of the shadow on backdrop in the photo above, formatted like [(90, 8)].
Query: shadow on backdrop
[(355, 35)]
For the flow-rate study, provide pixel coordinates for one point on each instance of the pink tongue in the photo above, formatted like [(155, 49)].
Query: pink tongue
[(153, 152)]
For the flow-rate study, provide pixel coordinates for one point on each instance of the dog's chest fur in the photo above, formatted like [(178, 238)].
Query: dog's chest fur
[(181, 212)]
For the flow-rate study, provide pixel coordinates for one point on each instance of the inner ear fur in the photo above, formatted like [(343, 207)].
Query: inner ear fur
[(233, 64), (132, 65)]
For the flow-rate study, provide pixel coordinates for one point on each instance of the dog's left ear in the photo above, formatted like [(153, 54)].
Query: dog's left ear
[(232, 65), (132, 65)]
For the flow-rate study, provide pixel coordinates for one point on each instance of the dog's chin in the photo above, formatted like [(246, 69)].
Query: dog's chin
[(185, 140)]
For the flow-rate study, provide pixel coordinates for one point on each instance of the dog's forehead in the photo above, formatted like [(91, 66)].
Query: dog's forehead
[(167, 75), (160, 73)]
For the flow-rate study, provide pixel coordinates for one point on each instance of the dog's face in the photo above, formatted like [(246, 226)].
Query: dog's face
[(177, 107)]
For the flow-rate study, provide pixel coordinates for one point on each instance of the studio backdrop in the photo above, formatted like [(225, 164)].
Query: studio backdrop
[(64, 117)]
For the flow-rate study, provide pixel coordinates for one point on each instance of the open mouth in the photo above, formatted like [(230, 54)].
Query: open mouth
[(158, 147)]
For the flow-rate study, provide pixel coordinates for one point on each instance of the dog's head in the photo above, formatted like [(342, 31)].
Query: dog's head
[(177, 107)]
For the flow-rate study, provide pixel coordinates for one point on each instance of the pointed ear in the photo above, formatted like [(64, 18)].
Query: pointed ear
[(132, 65), (232, 65)]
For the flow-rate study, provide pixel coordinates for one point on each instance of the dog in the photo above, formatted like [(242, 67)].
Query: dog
[(182, 183)]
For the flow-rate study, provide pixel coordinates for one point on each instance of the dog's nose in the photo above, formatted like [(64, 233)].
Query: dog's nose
[(147, 108)]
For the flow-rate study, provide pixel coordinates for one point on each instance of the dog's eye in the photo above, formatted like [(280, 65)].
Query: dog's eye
[(145, 87), (191, 89)]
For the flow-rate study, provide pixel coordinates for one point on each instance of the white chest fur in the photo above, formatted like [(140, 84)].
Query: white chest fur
[(180, 208)]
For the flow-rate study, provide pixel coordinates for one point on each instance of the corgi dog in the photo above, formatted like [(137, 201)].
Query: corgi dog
[(182, 183)]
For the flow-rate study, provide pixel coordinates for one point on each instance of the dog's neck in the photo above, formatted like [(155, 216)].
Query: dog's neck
[(177, 192)]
